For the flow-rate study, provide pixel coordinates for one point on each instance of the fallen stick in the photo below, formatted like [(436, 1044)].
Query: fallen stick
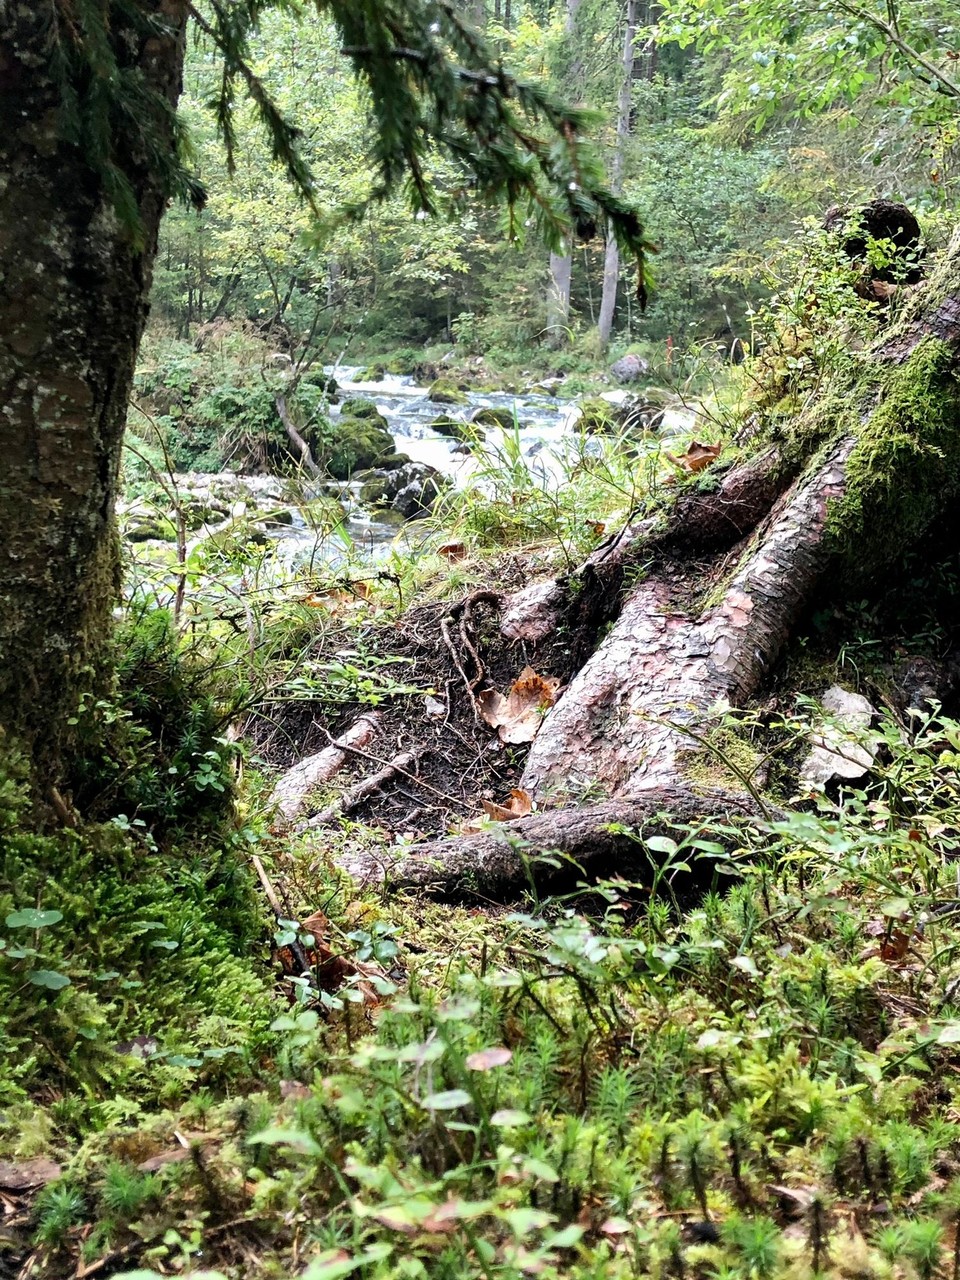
[(352, 799), (292, 789), (296, 948)]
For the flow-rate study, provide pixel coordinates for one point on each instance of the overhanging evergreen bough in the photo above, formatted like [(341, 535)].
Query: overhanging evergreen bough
[(880, 467)]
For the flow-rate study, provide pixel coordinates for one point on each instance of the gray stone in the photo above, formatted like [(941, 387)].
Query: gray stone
[(629, 368), (842, 747)]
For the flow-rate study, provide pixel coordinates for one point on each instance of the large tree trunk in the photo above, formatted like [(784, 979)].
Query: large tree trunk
[(73, 290), (631, 730)]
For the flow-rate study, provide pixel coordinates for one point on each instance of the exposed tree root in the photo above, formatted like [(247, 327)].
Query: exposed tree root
[(665, 666), (401, 764), (601, 839), (727, 576), (293, 789)]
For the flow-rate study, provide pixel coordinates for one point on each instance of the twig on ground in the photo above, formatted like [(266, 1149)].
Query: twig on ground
[(353, 798)]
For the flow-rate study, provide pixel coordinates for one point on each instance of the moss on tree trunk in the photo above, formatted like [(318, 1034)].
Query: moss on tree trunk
[(73, 302)]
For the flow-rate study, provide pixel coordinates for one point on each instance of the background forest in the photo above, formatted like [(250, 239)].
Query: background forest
[(738, 129)]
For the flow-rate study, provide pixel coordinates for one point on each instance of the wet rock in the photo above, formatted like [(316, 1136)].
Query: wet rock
[(598, 416), (494, 417), (359, 443), (630, 368), (159, 530), (547, 387), (455, 429), (410, 491)]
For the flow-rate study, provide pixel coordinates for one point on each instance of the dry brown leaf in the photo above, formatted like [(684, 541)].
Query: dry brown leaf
[(174, 1156), (697, 458), (452, 551), (22, 1175), (332, 969), (518, 716), (518, 806)]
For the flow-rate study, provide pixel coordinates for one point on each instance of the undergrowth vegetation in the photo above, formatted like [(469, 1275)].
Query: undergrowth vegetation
[(758, 1081)]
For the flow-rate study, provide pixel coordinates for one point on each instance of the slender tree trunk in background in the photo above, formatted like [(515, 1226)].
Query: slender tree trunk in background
[(558, 299), (508, 14), (73, 303), (561, 265), (611, 261)]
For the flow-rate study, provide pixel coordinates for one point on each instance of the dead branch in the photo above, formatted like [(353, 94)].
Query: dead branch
[(352, 799), (294, 787)]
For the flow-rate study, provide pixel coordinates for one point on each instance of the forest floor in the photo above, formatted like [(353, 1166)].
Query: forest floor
[(258, 1067)]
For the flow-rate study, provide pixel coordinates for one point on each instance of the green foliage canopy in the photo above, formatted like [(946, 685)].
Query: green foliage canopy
[(433, 84)]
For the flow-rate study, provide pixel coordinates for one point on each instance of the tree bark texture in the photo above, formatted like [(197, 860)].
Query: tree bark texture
[(73, 302), (726, 576)]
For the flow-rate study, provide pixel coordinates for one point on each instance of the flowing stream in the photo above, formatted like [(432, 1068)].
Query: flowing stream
[(545, 426)]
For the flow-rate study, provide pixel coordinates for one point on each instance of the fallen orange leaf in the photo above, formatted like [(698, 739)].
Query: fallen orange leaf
[(697, 458), (518, 716), (452, 551)]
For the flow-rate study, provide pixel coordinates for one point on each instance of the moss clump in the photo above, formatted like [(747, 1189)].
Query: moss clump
[(443, 391), (124, 967), (725, 760), (358, 444), (365, 410), (903, 468)]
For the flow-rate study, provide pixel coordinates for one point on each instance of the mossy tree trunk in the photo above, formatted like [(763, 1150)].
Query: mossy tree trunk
[(73, 302), (727, 575)]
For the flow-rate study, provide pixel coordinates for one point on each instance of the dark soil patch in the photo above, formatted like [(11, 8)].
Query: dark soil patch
[(463, 762)]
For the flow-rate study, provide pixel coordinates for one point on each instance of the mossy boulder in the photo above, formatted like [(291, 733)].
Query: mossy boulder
[(366, 410), (598, 417), (494, 417), (324, 381), (373, 491), (411, 491), (161, 529), (359, 443), (455, 429), (323, 512), (443, 391)]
